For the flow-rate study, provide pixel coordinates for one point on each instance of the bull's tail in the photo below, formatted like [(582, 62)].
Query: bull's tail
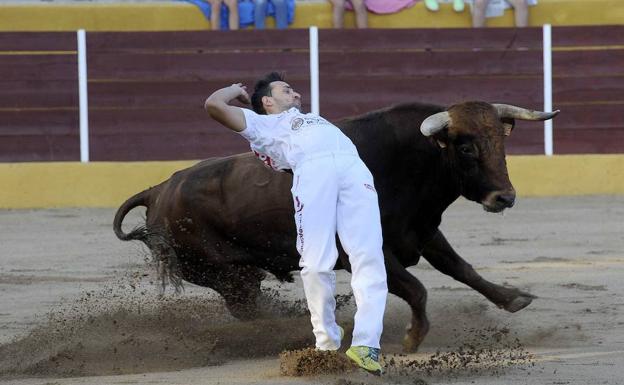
[(164, 257), (139, 233)]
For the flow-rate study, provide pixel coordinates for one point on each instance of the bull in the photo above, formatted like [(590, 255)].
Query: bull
[(224, 222)]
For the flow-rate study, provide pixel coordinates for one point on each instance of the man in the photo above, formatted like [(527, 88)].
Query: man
[(333, 192)]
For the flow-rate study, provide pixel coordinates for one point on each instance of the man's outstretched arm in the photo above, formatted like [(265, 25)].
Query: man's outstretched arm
[(219, 109)]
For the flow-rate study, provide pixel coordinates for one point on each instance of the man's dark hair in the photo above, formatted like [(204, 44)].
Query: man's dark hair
[(263, 88)]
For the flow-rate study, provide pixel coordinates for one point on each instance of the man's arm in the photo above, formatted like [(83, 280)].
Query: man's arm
[(219, 109)]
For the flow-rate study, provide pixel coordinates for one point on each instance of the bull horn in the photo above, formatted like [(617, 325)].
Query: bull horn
[(509, 111), (435, 123)]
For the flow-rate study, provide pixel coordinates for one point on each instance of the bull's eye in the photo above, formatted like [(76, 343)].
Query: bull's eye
[(466, 149)]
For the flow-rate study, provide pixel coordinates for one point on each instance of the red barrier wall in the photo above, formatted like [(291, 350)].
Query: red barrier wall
[(588, 83), (146, 89), (364, 70), (38, 97)]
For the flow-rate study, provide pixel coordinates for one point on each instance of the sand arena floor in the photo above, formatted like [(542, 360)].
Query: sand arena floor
[(77, 306)]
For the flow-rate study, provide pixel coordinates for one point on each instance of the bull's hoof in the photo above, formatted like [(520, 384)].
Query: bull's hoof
[(520, 302), (413, 338), (410, 344)]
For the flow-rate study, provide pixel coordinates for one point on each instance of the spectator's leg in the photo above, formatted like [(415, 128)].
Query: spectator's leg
[(361, 13), (478, 13), (215, 14), (260, 8), (521, 10), (338, 12), (233, 7), (281, 14)]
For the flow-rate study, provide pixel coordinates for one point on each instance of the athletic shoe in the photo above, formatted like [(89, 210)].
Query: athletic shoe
[(458, 5), (366, 358), (432, 5)]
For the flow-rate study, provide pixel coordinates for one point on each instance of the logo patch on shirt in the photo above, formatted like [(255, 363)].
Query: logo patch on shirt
[(296, 124)]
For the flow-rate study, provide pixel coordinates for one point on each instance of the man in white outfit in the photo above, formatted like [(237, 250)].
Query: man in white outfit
[(333, 192)]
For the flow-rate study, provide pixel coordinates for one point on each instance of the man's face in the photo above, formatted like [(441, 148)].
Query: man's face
[(283, 97)]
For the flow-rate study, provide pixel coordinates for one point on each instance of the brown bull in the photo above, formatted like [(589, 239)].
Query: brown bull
[(224, 221)]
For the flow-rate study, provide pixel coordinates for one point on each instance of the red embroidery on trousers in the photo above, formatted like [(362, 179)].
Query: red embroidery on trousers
[(298, 209), (298, 204)]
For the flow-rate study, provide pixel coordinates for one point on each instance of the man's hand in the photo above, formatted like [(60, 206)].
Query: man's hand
[(218, 106), (243, 97)]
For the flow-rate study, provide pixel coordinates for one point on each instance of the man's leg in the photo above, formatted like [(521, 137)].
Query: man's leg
[(338, 9), (215, 14), (478, 13), (361, 13), (281, 14), (521, 12), (260, 7), (233, 16), (314, 194), (359, 228)]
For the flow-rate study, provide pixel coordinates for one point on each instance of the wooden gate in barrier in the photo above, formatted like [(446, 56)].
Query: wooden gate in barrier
[(146, 89)]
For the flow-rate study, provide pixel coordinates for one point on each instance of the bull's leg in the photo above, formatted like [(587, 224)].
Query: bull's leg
[(238, 285), (441, 255), (241, 290), (404, 285)]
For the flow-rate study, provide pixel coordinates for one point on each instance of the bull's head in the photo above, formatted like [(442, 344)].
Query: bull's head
[(472, 134)]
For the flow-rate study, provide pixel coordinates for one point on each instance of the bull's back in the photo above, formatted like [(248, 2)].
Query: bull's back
[(236, 196), (257, 203)]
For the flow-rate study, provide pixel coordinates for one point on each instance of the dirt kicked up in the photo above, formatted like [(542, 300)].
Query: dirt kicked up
[(77, 306), (125, 329)]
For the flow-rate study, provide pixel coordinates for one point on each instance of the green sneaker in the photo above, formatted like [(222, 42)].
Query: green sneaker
[(366, 358), (458, 5), (432, 5)]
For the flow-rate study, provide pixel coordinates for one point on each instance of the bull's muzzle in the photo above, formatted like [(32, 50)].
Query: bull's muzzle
[(498, 201)]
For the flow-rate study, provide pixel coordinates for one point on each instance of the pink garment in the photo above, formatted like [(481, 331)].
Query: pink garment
[(384, 6)]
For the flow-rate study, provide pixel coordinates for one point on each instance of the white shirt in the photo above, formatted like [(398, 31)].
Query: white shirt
[(284, 140)]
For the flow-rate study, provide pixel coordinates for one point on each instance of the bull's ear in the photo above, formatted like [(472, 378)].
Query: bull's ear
[(508, 125)]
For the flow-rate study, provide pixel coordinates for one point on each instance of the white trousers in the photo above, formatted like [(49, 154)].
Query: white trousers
[(335, 194)]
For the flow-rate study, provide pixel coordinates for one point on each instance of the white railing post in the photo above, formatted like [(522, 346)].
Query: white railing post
[(314, 70), (82, 96), (548, 126)]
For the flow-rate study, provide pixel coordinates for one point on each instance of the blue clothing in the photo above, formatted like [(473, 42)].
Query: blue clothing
[(277, 7), (247, 13)]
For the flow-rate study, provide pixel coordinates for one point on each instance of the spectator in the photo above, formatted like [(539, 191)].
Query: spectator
[(433, 6), (215, 15), (521, 10), (281, 13), (361, 14)]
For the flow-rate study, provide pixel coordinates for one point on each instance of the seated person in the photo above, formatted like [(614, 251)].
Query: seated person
[(361, 14), (521, 10), (362, 6), (215, 15), (281, 13)]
